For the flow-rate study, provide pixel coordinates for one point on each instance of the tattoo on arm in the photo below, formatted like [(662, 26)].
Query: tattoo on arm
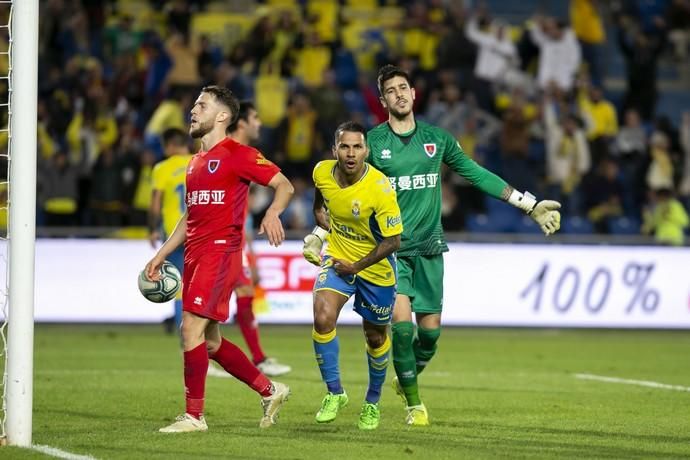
[(505, 194), (385, 248)]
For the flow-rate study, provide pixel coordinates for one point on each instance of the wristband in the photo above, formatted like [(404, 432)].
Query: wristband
[(320, 233), (525, 201)]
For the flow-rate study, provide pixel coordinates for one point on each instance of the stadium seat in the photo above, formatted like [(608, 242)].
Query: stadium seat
[(497, 207), (576, 225), (624, 226), (477, 223), (527, 225), (496, 223)]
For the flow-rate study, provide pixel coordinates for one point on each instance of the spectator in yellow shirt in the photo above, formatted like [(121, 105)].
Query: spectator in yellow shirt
[(601, 120), (589, 30), (667, 219)]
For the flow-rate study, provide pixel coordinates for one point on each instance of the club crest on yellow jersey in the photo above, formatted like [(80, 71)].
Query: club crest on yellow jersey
[(356, 204)]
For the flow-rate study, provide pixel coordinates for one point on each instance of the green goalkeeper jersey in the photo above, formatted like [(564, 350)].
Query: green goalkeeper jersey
[(413, 166)]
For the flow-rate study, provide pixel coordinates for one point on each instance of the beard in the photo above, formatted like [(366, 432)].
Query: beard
[(399, 113), (201, 130)]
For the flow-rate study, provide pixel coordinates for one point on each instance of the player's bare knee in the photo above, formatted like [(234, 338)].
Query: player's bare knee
[(375, 339), (212, 345), (375, 334), (324, 319), (325, 315), (324, 322), (429, 320)]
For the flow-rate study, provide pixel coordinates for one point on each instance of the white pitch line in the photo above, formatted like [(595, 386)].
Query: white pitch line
[(642, 383), (55, 452)]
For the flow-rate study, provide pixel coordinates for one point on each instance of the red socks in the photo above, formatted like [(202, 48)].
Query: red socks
[(232, 359), (247, 323), (195, 368)]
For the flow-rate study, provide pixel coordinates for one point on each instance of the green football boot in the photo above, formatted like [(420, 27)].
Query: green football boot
[(330, 406), (369, 417)]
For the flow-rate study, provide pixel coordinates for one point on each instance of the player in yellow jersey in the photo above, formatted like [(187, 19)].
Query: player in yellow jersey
[(168, 199), (364, 232)]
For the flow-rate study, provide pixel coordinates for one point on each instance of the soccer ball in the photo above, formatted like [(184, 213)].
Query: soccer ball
[(164, 289)]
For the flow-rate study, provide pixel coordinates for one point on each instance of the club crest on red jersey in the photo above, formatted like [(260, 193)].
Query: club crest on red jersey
[(213, 166), (430, 150)]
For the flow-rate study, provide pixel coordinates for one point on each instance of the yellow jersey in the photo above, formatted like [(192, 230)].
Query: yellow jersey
[(361, 215), (168, 176)]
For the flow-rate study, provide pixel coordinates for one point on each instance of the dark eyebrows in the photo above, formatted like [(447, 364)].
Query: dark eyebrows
[(345, 144), (402, 85)]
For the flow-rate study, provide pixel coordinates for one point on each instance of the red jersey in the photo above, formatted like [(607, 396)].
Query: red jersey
[(217, 193)]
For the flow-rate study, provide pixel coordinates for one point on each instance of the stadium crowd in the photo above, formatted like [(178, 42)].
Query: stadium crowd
[(526, 99)]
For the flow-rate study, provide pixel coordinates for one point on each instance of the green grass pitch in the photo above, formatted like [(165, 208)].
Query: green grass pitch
[(105, 390)]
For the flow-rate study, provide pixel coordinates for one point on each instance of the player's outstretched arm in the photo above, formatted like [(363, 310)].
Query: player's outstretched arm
[(313, 243), (544, 212), (386, 247), (271, 225)]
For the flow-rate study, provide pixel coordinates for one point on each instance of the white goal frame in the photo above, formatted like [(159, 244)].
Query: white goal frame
[(21, 235)]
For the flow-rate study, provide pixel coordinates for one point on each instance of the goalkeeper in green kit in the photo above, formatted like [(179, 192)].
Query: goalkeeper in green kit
[(411, 154)]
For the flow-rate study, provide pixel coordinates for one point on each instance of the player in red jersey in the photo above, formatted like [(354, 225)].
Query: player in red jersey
[(218, 179), (245, 130)]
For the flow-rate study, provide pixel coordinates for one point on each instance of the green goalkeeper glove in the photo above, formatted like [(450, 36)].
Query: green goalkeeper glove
[(313, 243), (545, 212)]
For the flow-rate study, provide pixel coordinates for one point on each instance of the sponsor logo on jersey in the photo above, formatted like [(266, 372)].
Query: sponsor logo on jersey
[(382, 311), (213, 166), (198, 300), (415, 182), (355, 207), (385, 154), (392, 221), (430, 150), (198, 197), (261, 160)]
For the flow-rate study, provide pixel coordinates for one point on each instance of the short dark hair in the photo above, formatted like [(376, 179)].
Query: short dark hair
[(175, 136), (225, 97), (351, 127), (389, 71), (242, 114)]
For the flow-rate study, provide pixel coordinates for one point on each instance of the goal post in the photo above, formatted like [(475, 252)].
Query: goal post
[(23, 89)]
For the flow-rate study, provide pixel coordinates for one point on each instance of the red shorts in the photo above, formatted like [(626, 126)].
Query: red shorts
[(208, 280), (245, 278)]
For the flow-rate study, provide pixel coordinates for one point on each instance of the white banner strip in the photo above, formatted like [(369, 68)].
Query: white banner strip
[(485, 285)]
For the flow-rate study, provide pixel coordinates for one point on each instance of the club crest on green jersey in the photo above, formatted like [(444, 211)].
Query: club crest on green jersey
[(430, 150)]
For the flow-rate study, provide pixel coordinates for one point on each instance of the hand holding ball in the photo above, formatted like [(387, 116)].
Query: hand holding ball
[(164, 288)]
